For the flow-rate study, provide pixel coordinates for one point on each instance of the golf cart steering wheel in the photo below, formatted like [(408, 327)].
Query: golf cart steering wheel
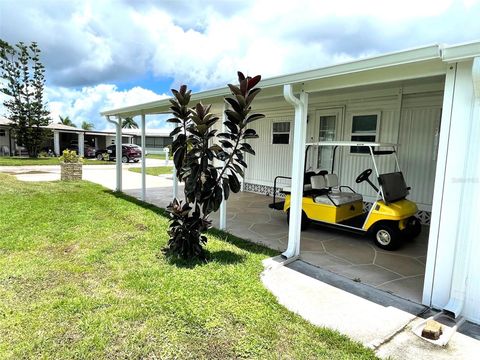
[(363, 176)]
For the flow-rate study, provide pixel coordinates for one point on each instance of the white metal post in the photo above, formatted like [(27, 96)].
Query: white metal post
[(56, 142), (144, 180), (165, 150), (81, 144), (223, 204), (118, 130), (298, 165)]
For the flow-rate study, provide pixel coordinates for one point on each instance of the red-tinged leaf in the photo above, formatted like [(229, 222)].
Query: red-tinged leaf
[(234, 104), (251, 96), (175, 131), (254, 117), (226, 189), (231, 126), (241, 77), (234, 183), (234, 116), (253, 81), (244, 87), (234, 89)]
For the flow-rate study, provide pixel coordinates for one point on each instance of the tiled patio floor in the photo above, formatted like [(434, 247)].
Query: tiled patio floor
[(400, 272)]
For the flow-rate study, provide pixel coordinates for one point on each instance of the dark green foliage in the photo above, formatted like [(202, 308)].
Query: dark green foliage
[(129, 123), (195, 148), (23, 83)]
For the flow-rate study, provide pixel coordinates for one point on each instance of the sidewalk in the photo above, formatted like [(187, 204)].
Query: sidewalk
[(382, 323)]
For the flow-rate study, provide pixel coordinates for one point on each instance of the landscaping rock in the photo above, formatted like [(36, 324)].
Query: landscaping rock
[(432, 330)]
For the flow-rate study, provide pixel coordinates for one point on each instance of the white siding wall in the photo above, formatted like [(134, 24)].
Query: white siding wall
[(270, 160)]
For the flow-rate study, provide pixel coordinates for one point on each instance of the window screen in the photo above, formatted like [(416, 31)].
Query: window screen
[(281, 133), (364, 129)]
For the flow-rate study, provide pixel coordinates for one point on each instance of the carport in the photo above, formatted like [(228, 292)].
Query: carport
[(451, 250)]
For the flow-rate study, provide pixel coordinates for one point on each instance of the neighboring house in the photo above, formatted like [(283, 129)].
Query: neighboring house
[(155, 139), (64, 136), (428, 101)]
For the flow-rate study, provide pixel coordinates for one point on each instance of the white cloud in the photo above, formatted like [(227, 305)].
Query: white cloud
[(87, 44), (85, 104)]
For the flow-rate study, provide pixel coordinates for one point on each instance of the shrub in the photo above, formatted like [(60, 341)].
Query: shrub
[(195, 148), (70, 157)]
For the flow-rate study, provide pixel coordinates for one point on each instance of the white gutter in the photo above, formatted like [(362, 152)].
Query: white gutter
[(118, 144), (298, 164)]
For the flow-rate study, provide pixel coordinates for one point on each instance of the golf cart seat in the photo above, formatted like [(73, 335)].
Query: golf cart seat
[(334, 195)]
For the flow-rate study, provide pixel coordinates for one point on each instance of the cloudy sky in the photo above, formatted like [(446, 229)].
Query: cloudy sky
[(105, 54)]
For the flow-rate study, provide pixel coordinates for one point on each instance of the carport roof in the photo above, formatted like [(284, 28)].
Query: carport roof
[(438, 54)]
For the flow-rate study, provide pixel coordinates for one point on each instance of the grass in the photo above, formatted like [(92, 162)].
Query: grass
[(82, 276), (21, 161), (159, 156), (154, 170)]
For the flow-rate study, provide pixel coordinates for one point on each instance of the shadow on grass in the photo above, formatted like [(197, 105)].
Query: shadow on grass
[(221, 256), (224, 257)]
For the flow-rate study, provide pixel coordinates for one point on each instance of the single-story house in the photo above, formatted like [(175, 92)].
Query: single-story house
[(427, 100), (65, 136)]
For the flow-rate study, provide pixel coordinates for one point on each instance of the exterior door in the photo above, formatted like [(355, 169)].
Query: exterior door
[(325, 127)]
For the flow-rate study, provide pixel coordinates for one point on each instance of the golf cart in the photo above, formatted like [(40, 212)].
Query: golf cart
[(391, 217)]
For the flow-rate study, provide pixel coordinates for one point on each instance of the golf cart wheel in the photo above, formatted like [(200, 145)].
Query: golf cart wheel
[(414, 228), (124, 159), (387, 236), (99, 156), (305, 220)]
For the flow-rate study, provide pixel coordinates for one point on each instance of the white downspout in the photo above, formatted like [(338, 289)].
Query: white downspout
[(118, 144), (144, 181), (467, 228), (298, 165)]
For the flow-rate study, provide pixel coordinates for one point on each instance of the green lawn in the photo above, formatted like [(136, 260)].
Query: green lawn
[(159, 156), (19, 161), (82, 277), (154, 170)]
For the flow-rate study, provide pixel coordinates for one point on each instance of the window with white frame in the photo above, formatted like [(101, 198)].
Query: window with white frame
[(364, 129), (281, 132)]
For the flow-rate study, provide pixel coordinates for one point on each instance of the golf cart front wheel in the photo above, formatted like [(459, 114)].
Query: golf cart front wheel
[(386, 236), (305, 220)]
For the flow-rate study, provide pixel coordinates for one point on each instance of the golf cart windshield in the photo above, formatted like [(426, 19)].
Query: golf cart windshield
[(392, 185)]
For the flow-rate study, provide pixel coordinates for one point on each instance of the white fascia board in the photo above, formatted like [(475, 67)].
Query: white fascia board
[(460, 52), (350, 143), (376, 62)]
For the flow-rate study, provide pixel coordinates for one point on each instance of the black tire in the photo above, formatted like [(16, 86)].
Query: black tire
[(386, 235), (305, 220), (99, 156), (414, 228), (125, 159)]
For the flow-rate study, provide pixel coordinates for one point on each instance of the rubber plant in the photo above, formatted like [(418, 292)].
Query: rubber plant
[(196, 147)]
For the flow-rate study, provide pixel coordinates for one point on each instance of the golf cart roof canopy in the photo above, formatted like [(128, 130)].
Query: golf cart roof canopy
[(350, 143)]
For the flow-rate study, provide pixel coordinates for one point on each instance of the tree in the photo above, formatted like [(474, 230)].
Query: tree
[(129, 123), (23, 82), (66, 121), (195, 149), (86, 125)]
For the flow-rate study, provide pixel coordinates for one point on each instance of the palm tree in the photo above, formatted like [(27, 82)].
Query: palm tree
[(86, 125), (129, 123), (66, 121)]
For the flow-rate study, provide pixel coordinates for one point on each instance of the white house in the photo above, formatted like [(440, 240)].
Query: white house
[(427, 100)]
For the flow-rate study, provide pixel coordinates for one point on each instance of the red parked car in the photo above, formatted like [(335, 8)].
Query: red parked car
[(130, 152)]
